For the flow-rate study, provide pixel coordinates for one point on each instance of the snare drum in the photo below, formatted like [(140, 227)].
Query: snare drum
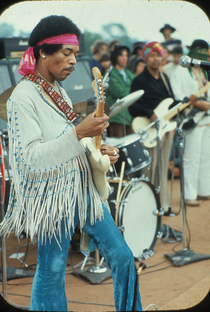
[(139, 224), (132, 152)]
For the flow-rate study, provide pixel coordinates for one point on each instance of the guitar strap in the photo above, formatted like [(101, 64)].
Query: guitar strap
[(166, 84), (55, 96)]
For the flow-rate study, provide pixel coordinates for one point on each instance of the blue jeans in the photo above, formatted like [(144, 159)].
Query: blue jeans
[(48, 289)]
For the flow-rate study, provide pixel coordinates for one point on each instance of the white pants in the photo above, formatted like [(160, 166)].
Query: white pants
[(197, 163), (165, 150)]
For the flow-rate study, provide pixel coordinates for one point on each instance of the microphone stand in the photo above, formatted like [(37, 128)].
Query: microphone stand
[(124, 125), (169, 213), (186, 255), (156, 122)]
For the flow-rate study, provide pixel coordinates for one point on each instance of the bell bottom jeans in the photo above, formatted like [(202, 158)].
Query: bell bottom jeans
[(48, 289)]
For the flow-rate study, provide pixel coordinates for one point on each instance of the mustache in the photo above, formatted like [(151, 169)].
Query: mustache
[(71, 68)]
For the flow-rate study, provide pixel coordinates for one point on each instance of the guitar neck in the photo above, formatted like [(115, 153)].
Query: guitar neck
[(175, 110), (99, 113), (99, 91), (183, 106)]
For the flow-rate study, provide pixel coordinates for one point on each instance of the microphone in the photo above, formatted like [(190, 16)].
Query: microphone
[(106, 78), (186, 61)]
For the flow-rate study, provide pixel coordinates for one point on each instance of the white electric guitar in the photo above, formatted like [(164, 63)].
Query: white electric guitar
[(99, 163), (165, 125), (164, 115)]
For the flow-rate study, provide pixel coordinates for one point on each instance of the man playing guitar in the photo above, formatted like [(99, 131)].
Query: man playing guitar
[(189, 82), (156, 88), (52, 189)]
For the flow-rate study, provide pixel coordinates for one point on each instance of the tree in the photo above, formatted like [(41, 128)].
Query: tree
[(109, 32), (6, 30), (89, 39), (117, 31)]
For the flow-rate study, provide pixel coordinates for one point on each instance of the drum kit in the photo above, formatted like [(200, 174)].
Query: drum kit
[(136, 208), (137, 198), (132, 208), (132, 198)]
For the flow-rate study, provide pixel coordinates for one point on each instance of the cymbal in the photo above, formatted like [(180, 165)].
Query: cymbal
[(81, 109), (125, 102), (3, 102)]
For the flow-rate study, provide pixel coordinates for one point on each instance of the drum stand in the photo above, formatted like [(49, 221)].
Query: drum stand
[(186, 255), (161, 212), (95, 274), (159, 158)]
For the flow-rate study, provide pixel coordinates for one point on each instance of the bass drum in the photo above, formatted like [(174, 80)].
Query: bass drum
[(139, 226)]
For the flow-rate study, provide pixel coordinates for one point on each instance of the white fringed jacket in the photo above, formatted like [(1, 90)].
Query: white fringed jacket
[(45, 156)]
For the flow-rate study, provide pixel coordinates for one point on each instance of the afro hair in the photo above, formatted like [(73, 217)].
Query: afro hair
[(52, 26)]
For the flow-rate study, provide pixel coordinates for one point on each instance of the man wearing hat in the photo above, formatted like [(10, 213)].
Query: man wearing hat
[(156, 88), (119, 86), (169, 42), (186, 82)]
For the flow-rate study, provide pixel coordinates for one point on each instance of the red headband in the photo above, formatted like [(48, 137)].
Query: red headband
[(28, 61)]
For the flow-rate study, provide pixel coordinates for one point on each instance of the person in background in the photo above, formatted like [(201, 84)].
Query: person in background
[(185, 83), (209, 55), (119, 86), (166, 56), (176, 53), (137, 49), (98, 49), (105, 62), (112, 44), (156, 88), (139, 66), (169, 42)]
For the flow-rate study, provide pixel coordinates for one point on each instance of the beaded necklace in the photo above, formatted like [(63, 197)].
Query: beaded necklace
[(53, 86), (63, 105)]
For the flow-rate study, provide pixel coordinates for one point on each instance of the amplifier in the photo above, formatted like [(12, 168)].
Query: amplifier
[(13, 47)]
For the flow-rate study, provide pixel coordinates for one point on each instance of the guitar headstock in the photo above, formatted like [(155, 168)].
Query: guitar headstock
[(97, 85)]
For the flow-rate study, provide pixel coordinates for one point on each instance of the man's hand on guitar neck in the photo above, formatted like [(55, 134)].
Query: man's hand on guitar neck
[(111, 151), (153, 117), (92, 126)]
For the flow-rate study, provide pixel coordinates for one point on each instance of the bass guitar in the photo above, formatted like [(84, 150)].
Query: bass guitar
[(165, 125), (99, 163), (164, 114)]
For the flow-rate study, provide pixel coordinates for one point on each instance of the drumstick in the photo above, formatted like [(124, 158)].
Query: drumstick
[(113, 166), (118, 191)]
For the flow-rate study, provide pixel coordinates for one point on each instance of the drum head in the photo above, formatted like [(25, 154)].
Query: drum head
[(140, 225)]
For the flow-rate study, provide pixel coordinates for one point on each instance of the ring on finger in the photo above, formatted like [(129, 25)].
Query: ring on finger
[(115, 153), (105, 130)]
